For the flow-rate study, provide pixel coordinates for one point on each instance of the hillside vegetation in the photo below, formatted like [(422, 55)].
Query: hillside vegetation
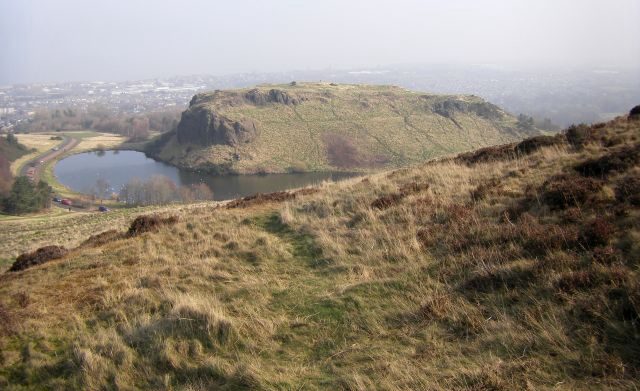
[(10, 150), (512, 267), (323, 127)]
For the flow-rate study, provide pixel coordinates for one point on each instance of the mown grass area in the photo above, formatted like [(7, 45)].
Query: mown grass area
[(58, 226), (40, 143), (346, 127), (498, 270)]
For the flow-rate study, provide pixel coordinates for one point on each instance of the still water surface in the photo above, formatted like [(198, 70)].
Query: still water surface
[(80, 173)]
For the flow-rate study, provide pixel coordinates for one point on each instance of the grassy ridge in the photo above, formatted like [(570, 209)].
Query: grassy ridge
[(345, 127), (489, 271)]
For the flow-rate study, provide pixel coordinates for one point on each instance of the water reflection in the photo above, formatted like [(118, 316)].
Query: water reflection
[(82, 171)]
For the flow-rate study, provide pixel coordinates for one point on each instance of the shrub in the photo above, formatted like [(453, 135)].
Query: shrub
[(149, 223), (607, 255), (628, 190), (263, 198), (387, 201), (102, 238), (540, 239), (40, 256), (620, 161), (485, 155), (533, 144), (597, 233), (577, 135), (577, 280), (341, 151), (484, 189), (563, 191), (413, 187)]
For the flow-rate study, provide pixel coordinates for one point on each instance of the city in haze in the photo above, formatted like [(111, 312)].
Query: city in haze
[(73, 40)]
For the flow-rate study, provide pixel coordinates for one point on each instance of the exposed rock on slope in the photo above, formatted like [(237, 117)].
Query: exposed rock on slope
[(322, 127), (203, 127)]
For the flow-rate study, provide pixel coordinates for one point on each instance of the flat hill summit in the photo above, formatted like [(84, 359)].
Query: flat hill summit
[(300, 127)]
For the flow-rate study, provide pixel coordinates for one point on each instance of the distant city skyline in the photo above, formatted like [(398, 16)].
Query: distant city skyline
[(74, 40)]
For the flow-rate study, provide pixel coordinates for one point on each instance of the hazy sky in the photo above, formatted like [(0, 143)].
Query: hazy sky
[(47, 40)]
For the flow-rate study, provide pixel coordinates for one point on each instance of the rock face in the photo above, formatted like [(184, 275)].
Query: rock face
[(203, 125), (200, 125), (486, 110), (259, 98)]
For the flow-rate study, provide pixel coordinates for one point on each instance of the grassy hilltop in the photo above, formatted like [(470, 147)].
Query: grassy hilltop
[(512, 267), (322, 127)]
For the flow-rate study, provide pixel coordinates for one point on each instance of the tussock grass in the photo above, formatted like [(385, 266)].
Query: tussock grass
[(480, 280)]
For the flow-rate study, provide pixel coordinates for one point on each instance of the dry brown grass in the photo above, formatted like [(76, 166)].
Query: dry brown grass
[(441, 289)]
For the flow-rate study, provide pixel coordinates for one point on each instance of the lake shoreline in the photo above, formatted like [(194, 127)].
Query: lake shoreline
[(79, 173)]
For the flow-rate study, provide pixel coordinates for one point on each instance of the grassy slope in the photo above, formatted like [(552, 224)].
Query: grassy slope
[(485, 280), (20, 234), (379, 121)]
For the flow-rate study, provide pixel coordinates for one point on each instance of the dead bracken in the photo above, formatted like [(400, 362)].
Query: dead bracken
[(564, 191), (38, 257), (103, 238), (509, 151), (263, 198), (149, 223)]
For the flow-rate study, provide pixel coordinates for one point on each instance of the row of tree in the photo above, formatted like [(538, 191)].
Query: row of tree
[(527, 122), (102, 119), (160, 189)]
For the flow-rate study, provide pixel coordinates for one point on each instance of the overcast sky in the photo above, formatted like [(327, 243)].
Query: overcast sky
[(72, 40)]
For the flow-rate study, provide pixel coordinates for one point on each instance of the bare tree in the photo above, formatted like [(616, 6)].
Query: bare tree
[(101, 188)]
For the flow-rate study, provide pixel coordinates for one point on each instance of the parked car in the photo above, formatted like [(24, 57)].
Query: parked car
[(57, 199), (103, 208), (66, 202)]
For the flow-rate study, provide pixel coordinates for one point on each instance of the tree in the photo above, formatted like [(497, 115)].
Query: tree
[(12, 139), (25, 197), (101, 187), (140, 129), (525, 122), (201, 192), (157, 190), (5, 175)]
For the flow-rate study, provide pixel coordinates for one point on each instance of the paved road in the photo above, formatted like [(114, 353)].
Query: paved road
[(33, 168)]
